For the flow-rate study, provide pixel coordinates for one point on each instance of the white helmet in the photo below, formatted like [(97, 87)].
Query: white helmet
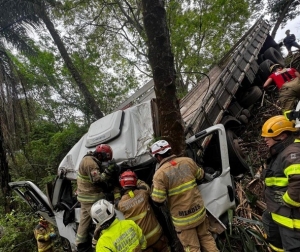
[(297, 125), (102, 211), (160, 147)]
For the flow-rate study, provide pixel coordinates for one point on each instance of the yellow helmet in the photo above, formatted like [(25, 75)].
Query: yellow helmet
[(276, 125)]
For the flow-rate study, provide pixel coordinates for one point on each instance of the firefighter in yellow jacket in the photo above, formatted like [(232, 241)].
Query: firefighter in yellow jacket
[(116, 235), (175, 182), (44, 235), (95, 180), (135, 206)]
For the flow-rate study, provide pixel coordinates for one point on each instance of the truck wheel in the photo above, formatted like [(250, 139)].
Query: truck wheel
[(265, 69), (273, 55), (243, 119), (251, 96), (246, 112), (260, 58), (237, 162)]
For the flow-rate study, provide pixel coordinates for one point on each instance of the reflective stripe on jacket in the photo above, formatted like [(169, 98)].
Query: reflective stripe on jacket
[(283, 175), (121, 236), (175, 180), (92, 181), (42, 236), (135, 206)]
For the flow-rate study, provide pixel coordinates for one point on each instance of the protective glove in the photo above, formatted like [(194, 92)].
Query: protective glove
[(142, 185), (210, 177), (104, 176), (278, 198), (112, 167), (52, 236), (291, 115), (94, 243)]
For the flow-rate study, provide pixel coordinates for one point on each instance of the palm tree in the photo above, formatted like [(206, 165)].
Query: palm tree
[(31, 12), (11, 114)]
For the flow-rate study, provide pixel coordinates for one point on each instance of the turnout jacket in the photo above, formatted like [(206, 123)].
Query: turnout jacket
[(92, 182), (282, 177), (175, 181), (135, 206), (42, 236), (121, 236)]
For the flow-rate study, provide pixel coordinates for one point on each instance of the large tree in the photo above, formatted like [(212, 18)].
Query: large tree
[(281, 11), (164, 75)]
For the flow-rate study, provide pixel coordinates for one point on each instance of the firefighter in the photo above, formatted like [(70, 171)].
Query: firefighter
[(135, 206), (95, 180), (288, 82), (44, 235), (116, 235), (174, 182), (282, 184)]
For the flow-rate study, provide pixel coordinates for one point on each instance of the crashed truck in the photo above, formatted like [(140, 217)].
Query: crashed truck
[(214, 113)]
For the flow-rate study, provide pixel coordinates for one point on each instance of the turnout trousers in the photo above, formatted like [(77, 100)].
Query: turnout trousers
[(198, 239), (84, 223), (280, 238), (289, 94)]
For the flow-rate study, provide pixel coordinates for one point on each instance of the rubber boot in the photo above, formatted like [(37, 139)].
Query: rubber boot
[(84, 247)]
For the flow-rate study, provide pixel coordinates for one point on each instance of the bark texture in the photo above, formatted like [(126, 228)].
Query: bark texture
[(162, 63), (281, 17), (5, 176)]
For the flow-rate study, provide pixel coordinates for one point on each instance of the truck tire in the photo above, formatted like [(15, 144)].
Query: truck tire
[(273, 55), (243, 119), (265, 69), (251, 96), (238, 164), (246, 112), (260, 58)]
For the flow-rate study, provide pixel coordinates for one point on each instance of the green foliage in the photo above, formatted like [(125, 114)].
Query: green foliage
[(16, 231), (202, 33), (39, 159), (245, 236), (276, 7)]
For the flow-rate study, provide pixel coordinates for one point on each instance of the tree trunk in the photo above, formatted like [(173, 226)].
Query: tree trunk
[(90, 101), (162, 63), (281, 17), (5, 177)]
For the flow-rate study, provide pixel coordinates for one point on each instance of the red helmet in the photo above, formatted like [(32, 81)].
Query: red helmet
[(105, 151), (128, 178), (43, 221)]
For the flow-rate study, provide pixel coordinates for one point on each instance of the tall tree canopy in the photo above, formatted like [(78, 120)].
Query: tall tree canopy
[(282, 11), (200, 32)]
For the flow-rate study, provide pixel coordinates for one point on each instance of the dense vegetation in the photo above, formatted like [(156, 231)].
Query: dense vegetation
[(64, 64)]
